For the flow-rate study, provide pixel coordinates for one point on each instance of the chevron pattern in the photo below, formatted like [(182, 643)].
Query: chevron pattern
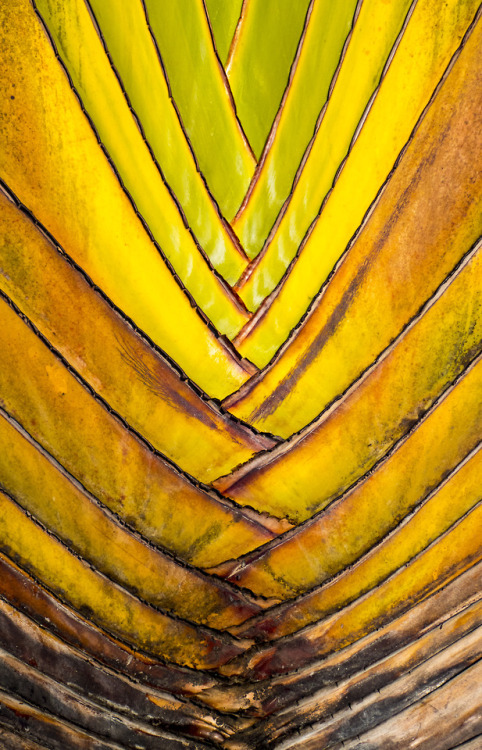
[(240, 375)]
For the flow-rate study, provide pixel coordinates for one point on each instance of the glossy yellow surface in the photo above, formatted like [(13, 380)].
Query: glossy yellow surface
[(445, 559), (199, 87), (259, 62), (119, 366), (428, 216), (111, 463), (223, 19), (95, 535), (167, 569), (374, 35), (431, 38), (125, 32), (303, 100), (443, 508), (51, 160), (358, 430), (75, 37), (111, 607), (349, 527)]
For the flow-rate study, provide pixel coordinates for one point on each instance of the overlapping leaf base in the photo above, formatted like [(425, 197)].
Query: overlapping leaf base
[(240, 375)]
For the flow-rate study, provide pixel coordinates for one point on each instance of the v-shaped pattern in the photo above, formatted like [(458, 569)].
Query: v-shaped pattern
[(240, 378)]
